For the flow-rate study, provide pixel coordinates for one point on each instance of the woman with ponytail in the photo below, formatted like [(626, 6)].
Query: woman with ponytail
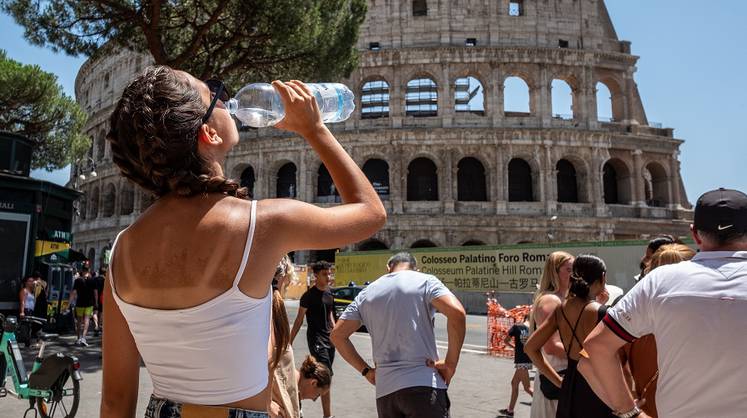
[(573, 320), (285, 400), (552, 291), (190, 278)]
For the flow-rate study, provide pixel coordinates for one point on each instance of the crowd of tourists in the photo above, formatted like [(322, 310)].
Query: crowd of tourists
[(194, 290)]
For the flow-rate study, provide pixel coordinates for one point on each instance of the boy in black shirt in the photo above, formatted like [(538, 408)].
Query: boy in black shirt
[(85, 297), (317, 305), (522, 363)]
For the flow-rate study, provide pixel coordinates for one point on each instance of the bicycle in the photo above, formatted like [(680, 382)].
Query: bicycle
[(53, 380)]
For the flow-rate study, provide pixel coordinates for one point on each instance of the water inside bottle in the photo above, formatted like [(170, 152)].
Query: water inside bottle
[(256, 117)]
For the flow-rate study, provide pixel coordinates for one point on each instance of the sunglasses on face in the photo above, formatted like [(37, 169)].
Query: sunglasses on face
[(218, 91)]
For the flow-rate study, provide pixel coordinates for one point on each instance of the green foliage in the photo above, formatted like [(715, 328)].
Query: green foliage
[(33, 104), (237, 40)]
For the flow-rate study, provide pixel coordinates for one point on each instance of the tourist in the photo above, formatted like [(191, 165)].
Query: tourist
[(26, 298), (574, 319), (651, 248), (552, 291), (696, 310), (85, 298), (189, 279), (317, 306), (313, 379), (522, 364), (41, 295), (98, 314), (285, 400), (398, 310), (640, 355)]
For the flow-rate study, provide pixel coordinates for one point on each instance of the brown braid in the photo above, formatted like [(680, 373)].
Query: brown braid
[(153, 137)]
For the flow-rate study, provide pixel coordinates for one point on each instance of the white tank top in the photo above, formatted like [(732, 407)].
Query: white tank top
[(211, 354)]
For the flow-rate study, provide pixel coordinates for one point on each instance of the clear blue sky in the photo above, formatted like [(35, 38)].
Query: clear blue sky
[(690, 75)]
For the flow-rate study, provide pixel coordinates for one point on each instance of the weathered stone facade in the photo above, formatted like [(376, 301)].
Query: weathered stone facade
[(479, 173)]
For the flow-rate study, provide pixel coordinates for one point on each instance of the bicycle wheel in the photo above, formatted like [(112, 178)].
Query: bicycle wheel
[(63, 402)]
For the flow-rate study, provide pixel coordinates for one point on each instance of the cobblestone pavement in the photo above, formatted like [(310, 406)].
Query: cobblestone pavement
[(479, 389)]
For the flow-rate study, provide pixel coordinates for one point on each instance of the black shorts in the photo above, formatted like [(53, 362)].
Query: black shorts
[(322, 350), (414, 402)]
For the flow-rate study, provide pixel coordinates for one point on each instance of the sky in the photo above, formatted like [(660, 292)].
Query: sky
[(690, 76)]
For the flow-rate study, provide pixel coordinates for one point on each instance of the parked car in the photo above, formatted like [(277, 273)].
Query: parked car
[(343, 296)]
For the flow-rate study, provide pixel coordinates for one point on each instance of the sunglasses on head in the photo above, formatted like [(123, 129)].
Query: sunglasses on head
[(219, 92)]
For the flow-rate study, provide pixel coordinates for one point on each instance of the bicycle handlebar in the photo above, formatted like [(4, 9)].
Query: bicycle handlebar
[(36, 319)]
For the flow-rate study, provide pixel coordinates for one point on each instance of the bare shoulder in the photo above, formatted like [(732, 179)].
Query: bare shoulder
[(549, 301)]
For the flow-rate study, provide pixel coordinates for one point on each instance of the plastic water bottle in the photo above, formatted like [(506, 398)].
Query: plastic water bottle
[(259, 105)]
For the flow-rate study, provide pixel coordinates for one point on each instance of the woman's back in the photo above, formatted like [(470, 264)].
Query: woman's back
[(576, 317)]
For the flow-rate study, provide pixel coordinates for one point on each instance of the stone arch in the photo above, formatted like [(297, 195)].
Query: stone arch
[(422, 180), (101, 145), (656, 185), (517, 95), (563, 99), (616, 182), (110, 200), (93, 206), (469, 95), (326, 191), (567, 181), (421, 95), (82, 208), (581, 168), (374, 98), (286, 181), (471, 180), (128, 198), (91, 256), (423, 243), (610, 100), (372, 244), (377, 172), (247, 179), (521, 186)]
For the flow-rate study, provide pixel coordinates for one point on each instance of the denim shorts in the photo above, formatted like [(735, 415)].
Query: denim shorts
[(164, 408)]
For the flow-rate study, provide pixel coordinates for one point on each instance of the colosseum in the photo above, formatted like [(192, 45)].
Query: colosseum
[(459, 126)]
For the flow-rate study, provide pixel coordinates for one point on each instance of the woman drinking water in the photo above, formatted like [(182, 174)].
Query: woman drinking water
[(188, 287)]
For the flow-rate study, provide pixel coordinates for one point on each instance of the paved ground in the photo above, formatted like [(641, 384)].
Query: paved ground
[(479, 389)]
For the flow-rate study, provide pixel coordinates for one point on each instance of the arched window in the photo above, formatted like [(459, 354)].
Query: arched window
[(372, 245), (101, 146), (656, 185), (128, 199), (110, 200), (611, 196), (247, 180), (469, 96), (471, 181), (516, 97), (616, 182), (519, 181), (421, 98), (567, 182), (472, 243), (375, 99), (562, 100), (93, 206), (326, 192), (82, 208), (423, 243), (604, 103), (377, 172), (286, 181), (91, 256), (422, 180)]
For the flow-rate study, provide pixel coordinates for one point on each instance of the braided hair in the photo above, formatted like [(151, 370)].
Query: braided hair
[(153, 137)]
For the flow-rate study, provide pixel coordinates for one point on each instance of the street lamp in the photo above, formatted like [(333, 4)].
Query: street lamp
[(79, 173)]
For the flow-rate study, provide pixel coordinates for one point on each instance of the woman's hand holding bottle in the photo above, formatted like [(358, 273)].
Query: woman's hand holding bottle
[(302, 114)]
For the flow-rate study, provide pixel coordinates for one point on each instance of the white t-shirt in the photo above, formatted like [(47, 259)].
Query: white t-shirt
[(697, 310)]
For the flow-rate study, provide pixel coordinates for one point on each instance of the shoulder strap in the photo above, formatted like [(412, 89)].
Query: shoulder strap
[(573, 329), (248, 245), (110, 270)]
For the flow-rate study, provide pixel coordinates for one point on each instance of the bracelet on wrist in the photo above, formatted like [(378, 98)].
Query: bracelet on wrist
[(629, 414)]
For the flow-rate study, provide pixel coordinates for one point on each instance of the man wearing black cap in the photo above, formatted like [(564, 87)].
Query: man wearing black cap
[(697, 310)]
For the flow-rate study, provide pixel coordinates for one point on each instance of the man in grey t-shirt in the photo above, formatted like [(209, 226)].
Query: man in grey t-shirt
[(398, 310)]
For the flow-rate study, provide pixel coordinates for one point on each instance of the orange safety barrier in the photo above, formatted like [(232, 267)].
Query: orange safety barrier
[(500, 321)]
